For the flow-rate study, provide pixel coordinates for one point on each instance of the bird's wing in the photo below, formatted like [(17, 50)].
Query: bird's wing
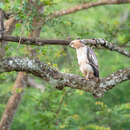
[(93, 61)]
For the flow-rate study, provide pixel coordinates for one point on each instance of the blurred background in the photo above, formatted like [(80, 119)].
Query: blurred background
[(69, 109)]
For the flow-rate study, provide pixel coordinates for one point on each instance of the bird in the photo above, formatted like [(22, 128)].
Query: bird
[(86, 59)]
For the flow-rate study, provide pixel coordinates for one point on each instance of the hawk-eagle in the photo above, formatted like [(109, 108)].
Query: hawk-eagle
[(86, 59)]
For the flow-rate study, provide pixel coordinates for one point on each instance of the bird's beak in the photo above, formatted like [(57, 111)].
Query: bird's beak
[(83, 41)]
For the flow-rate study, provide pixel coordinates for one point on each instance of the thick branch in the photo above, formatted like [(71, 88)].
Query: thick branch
[(61, 80), (85, 6), (39, 42)]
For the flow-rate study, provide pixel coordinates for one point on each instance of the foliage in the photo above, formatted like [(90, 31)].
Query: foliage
[(70, 109)]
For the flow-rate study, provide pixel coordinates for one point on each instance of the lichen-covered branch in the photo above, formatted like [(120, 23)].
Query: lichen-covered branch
[(61, 80), (39, 42), (108, 45), (85, 6)]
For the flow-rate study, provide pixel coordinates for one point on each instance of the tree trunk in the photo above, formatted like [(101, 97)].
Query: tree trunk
[(20, 82), (13, 102)]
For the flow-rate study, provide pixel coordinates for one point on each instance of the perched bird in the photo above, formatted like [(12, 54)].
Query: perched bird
[(86, 59)]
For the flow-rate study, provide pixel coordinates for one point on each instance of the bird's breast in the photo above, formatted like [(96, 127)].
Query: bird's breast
[(83, 60), (82, 55), (86, 68)]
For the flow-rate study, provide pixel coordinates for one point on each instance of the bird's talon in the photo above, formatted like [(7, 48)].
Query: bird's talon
[(87, 79)]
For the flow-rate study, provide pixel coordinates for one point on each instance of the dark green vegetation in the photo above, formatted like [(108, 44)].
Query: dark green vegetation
[(71, 109)]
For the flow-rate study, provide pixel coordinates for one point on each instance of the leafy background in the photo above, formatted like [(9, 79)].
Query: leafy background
[(70, 109)]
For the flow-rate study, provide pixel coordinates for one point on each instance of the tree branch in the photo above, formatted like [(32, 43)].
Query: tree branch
[(61, 80), (39, 42), (85, 6)]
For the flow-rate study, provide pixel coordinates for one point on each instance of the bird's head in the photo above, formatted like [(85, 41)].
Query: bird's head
[(77, 44)]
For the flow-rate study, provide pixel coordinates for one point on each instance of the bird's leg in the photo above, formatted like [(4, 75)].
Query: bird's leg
[(87, 76)]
